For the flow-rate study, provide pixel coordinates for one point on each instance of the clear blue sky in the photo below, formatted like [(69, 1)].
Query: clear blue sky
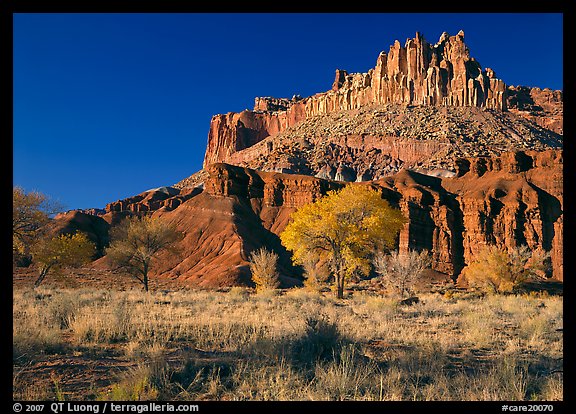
[(109, 105)]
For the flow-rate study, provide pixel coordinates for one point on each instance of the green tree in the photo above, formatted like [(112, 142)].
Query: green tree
[(497, 271), (30, 214), (66, 250), (137, 241), (344, 228)]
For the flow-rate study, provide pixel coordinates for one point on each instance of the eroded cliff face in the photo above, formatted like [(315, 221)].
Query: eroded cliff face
[(376, 141), (236, 131), (417, 73), (151, 200), (507, 201), (545, 107), (513, 200), (422, 106)]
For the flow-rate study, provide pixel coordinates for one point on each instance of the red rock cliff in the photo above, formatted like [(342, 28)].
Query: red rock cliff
[(542, 106), (508, 201), (417, 73)]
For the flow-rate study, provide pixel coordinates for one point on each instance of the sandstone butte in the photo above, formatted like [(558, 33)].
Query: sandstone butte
[(504, 188), (407, 80)]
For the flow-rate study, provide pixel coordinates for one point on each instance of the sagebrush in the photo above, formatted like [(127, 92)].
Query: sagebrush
[(300, 345)]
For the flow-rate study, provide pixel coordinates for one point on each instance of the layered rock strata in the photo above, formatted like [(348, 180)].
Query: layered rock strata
[(421, 107), (417, 73), (512, 200), (375, 141), (545, 107)]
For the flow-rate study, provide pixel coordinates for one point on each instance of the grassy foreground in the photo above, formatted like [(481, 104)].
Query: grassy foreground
[(88, 344)]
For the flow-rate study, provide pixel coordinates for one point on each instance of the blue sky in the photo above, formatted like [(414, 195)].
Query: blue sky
[(109, 105)]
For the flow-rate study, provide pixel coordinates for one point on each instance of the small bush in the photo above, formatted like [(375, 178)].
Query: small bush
[(34, 331), (263, 267), (498, 271), (238, 293), (316, 273), (401, 271), (32, 340), (321, 340), (347, 377), (137, 385)]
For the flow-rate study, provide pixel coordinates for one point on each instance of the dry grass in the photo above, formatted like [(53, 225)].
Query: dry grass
[(293, 345)]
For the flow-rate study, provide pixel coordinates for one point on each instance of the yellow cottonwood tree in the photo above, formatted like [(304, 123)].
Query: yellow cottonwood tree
[(344, 228)]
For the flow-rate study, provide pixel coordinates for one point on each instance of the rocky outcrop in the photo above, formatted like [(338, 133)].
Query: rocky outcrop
[(93, 211), (440, 74), (417, 73), (376, 141), (151, 200), (94, 226), (507, 201), (274, 189), (514, 200), (542, 106)]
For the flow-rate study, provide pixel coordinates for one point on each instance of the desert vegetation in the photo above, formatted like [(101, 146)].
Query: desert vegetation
[(344, 229), (31, 213), (294, 345), (65, 250), (136, 243), (400, 272), (263, 266), (497, 270)]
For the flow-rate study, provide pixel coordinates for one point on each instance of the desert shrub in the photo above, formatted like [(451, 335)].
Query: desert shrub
[(305, 297), (35, 338), (136, 385), (238, 293), (497, 271), (320, 341), (316, 274), (553, 389), (62, 309), (478, 327), (263, 265), (400, 271), (34, 330), (347, 377)]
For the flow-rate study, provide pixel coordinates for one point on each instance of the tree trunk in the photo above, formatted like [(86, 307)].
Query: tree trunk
[(340, 294), (43, 274), (340, 286), (339, 275), (145, 279)]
